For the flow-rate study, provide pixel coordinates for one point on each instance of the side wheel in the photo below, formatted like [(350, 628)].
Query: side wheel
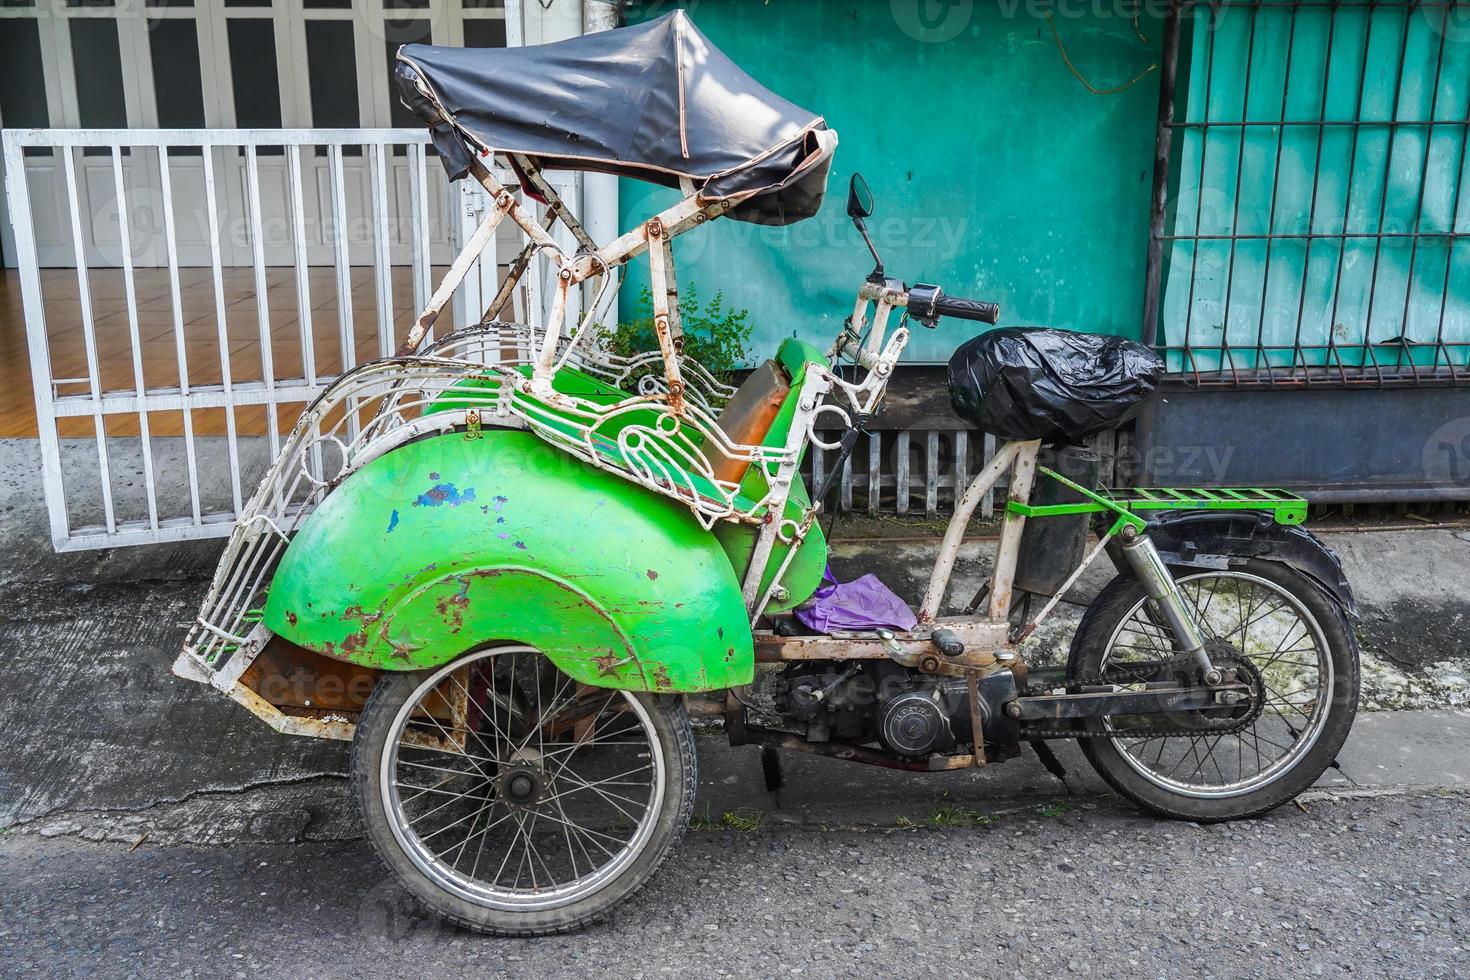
[(512, 800), (1298, 651)]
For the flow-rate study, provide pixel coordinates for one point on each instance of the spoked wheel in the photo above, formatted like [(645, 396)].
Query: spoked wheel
[(1283, 637), (513, 800)]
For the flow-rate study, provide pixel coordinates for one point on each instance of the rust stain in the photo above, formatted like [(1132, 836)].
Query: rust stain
[(652, 575), (451, 608), (290, 617), (357, 613), (661, 679)]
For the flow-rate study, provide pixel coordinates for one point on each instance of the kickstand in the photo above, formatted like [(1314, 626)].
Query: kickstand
[(1334, 764), (1052, 763), (771, 768)]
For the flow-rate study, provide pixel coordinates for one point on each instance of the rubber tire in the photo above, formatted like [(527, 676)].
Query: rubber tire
[(671, 723), (1109, 609)]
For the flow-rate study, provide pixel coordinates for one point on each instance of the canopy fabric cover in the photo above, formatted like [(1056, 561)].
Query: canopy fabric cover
[(655, 101)]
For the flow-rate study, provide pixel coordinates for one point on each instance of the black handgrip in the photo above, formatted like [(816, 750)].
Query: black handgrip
[(966, 309)]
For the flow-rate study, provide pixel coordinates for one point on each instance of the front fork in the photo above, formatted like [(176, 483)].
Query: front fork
[(1160, 586)]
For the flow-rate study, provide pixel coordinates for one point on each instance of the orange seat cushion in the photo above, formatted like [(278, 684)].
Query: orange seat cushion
[(747, 417)]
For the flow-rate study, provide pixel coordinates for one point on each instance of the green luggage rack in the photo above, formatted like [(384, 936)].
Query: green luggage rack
[(1285, 507)]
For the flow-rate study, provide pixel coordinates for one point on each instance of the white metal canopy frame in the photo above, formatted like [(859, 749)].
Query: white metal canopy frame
[(663, 437)]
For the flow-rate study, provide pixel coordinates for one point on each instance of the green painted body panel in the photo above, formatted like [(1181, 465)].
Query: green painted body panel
[(997, 174), (449, 543)]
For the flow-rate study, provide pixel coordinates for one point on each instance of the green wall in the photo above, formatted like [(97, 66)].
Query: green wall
[(997, 174)]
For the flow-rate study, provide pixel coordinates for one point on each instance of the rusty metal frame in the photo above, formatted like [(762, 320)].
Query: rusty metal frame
[(501, 374)]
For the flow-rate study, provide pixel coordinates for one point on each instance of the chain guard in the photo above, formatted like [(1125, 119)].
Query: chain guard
[(1225, 658)]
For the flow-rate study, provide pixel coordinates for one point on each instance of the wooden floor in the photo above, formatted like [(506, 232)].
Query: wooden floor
[(155, 360)]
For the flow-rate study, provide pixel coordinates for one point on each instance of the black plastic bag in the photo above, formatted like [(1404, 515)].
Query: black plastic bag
[(1055, 385)]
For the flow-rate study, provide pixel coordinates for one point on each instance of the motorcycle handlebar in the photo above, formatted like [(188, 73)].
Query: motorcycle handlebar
[(966, 309)]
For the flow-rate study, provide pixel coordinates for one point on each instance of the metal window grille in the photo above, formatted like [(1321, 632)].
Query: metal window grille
[(1308, 204)]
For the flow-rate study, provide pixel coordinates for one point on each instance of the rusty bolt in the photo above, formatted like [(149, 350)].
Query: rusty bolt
[(565, 274), (676, 388), (929, 663), (1013, 709), (655, 228)]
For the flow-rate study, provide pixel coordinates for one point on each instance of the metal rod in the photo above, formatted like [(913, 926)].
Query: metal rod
[(1261, 358), (130, 294), (176, 305), (1199, 195), (1008, 549), (1226, 353), (1163, 141), (262, 304), (211, 204), (1398, 87), (1423, 181), (89, 341), (954, 533), (382, 266)]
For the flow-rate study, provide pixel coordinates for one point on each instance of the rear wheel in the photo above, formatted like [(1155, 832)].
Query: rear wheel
[(512, 800), (1285, 635)]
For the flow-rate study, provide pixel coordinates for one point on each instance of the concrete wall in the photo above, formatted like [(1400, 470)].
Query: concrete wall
[(996, 173)]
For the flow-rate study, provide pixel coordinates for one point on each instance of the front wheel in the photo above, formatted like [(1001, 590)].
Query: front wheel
[(1283, 633), (512, 800)]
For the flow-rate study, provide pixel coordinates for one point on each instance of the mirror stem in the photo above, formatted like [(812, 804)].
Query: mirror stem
[(863, 230)]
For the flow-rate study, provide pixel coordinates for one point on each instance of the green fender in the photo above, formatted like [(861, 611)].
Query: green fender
[(450, 543)]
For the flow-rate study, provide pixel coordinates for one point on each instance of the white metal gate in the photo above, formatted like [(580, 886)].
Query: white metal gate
[(218, 64), (162, 394)]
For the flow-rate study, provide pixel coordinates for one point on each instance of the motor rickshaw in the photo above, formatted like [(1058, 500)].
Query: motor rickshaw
[(499, 560)]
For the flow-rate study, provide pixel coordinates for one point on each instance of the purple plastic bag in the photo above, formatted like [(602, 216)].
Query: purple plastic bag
[(862, 604)]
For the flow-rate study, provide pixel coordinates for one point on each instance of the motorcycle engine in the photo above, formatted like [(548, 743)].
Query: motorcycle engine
[(909, 713), (914, 722)]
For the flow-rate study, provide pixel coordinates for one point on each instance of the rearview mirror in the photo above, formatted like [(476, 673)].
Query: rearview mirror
[(859, 198)]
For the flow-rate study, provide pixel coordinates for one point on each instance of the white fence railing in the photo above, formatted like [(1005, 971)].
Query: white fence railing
[(188, 292)]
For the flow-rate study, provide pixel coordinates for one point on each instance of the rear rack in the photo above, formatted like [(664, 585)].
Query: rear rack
[(1285, 507)]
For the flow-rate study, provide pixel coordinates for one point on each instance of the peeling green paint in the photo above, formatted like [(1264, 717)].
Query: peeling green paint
[(619, 586)]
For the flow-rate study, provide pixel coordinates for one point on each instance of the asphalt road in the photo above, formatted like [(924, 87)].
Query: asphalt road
[(1359, 886)]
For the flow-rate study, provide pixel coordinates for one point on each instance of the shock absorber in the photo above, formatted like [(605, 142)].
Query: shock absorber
[(1160, 586)]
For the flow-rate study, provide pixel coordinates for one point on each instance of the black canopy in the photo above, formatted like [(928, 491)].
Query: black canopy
[(656, 101)]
